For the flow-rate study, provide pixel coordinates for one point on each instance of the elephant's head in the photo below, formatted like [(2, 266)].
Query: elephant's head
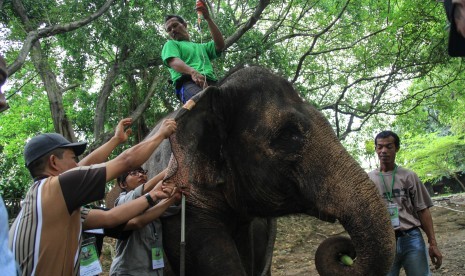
[(271, 154)]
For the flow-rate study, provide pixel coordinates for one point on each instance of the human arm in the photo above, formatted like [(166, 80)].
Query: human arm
[(150, 215), (97, 218), (214, 30), (427, 226), (101, 154), (180, 66), (149, 185), (138, 154), (126, 211)]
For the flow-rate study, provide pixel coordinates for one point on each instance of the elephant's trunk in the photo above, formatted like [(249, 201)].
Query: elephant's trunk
[(362, 212)]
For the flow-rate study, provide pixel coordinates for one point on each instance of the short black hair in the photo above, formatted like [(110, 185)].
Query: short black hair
[(179, 18), (386, 134), (122, 178), (37, 167)]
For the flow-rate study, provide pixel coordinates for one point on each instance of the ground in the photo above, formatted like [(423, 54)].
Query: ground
[(294, 250), (299, 236)]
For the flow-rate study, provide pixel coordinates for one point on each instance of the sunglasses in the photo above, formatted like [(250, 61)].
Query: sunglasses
[(137, 172)]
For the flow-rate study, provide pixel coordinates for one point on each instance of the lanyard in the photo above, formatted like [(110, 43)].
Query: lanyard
[(389, 193)]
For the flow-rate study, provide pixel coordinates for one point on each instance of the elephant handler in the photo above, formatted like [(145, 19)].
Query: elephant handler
[(189, 62), (46, 235), (408, 203)]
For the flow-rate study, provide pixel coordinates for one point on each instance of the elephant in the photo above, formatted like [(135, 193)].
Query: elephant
[(251, 149)]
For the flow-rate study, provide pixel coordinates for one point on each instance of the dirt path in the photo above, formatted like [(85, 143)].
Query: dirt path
[(295, 249)]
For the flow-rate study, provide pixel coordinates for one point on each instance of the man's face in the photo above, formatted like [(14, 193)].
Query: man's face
[(69, 161), (176, 30), (386, 150), (134, 179)]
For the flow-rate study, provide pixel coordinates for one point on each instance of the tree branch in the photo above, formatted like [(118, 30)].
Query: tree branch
[(248, 25), (34, 35)]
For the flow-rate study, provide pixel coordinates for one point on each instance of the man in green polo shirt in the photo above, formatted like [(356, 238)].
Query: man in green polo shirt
[(189, 62)]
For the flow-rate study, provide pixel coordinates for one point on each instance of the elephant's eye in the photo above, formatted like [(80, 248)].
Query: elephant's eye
[(289, 139)]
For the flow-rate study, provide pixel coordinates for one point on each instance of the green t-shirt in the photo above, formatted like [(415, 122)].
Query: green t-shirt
[(196, 55)]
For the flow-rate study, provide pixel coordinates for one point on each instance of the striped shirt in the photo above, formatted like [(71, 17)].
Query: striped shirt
[(45, 237)]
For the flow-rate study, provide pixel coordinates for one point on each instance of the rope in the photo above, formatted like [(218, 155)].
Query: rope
[(199, 27)]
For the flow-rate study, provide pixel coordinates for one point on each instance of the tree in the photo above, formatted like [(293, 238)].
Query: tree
[(433, 157), (434, 132), (352, 59)]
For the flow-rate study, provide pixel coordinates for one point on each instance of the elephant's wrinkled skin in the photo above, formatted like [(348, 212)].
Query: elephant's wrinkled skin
[(253, 148)]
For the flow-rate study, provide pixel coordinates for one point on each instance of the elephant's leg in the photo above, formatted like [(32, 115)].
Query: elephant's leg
[(210, 248), (213, 252), (255, 240)]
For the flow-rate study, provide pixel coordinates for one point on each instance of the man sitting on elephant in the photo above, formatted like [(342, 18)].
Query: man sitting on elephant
[(189, 62), (407, 201)]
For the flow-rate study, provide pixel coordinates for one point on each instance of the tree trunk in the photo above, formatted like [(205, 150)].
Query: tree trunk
[(458, 180), (60, 120)]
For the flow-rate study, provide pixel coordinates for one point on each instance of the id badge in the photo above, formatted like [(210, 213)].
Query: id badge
[(157, 258), (394, 214), (88, 259)]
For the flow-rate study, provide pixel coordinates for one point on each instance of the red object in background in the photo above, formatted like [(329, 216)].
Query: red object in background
[(199, 4)]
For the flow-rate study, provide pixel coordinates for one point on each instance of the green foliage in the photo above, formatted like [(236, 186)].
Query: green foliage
[(433, 132), (360, 63), (432, 156), (27, 115)]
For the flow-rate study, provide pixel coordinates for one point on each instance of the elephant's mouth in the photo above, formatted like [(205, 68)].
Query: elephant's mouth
[(176, 176), (321, 215)]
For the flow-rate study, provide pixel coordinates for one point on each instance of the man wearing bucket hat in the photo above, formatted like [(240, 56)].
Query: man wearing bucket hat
[(455, 10), (45, 236)]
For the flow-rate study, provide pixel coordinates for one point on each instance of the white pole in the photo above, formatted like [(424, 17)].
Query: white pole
[(183, 236)]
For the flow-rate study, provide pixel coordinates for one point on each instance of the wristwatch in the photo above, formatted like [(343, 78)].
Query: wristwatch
[(150, 200)]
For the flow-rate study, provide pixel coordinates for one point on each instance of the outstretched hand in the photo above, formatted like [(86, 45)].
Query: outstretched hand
[(176, 192), (167, 189), (167, 128), (162, 192), (121, 134), (203, 9)]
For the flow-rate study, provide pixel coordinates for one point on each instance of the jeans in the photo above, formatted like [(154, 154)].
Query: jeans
[(188, 89), (411, 254)]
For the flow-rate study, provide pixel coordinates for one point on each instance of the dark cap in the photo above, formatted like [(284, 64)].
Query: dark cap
[(44, 143), (456, 40)]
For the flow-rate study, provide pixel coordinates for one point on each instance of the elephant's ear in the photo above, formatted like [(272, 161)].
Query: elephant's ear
[(197, 143)]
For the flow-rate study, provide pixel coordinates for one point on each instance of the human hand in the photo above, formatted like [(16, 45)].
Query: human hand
[(161, 191), (199, 79), (435, 255), (121, 134), (185, 190), (167, 128), (201, 6)]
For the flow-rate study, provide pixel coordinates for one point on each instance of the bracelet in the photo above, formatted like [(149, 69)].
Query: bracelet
[(150, 200)]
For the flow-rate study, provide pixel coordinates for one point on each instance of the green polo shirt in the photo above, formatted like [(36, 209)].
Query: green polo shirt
[(196, 55)]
